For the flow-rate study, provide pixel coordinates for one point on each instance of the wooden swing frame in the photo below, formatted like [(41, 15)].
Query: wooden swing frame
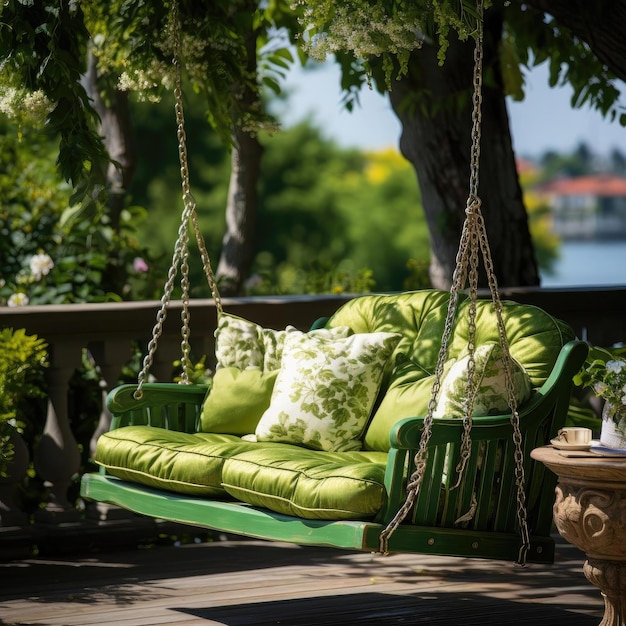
[(411, 519)]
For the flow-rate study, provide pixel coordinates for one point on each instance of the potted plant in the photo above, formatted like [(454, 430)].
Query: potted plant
[(605, 372)]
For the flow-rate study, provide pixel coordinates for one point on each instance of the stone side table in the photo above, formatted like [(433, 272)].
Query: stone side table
[(590, 513)]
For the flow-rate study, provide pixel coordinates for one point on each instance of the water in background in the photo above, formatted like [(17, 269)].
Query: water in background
[(588, 263)]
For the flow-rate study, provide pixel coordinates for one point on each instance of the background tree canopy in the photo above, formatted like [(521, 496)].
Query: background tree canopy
[(72, 63)]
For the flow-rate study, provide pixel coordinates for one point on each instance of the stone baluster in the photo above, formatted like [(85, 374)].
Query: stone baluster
[(56, 458), (110, 356)]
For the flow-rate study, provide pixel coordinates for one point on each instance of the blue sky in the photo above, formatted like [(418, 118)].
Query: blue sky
[(543, 121)]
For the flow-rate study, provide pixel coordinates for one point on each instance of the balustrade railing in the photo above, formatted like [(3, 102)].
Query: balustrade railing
[(109, 332)]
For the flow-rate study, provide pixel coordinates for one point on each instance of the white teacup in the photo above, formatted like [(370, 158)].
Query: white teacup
[(575, 435)]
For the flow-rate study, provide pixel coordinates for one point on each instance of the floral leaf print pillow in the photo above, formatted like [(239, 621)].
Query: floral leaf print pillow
[(490, 383), (325, 390), (246, 345)]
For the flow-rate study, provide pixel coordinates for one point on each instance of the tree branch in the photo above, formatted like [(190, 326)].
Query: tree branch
[(600, 24)]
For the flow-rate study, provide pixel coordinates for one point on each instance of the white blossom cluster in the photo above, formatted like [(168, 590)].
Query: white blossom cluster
[(23, 105), (40, 265), (147, 81), (363, 31), (194, 51)]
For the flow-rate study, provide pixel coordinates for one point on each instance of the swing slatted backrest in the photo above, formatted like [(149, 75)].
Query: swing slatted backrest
[(178, 409)]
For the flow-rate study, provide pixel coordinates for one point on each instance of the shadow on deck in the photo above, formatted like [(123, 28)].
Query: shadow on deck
[(242, 582)]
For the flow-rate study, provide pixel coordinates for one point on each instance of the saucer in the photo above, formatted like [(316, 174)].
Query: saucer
[(563, 445)]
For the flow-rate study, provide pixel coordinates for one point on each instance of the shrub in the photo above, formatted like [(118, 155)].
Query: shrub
[(23, 359)]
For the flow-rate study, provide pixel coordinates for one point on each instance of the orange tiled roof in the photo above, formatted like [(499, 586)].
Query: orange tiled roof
[(597, 185)]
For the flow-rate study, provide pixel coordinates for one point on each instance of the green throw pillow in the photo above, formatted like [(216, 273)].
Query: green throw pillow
[(236, 401), (489, 381), (325, 390)]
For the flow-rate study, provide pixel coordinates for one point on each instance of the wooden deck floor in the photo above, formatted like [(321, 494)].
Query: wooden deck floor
[(243, 582)]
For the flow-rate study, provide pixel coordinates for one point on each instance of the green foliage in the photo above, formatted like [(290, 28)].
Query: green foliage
[(42, 52), (330, 219), (604, 371), (84, 258), (333, 219), (577, 163), (545, 242), (533, 37), (23, 359), (199, 373)]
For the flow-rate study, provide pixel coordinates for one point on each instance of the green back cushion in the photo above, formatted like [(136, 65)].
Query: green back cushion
[(535, 340), (407, 396)]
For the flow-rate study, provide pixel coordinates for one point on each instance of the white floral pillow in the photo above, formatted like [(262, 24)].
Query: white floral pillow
[(325, 390), (489, 380), (246, 345)]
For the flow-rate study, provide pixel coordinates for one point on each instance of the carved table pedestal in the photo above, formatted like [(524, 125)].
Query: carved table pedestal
[(590, 513)]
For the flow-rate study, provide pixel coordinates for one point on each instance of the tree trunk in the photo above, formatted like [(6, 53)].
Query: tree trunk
[(436, 139), (116, 130), (243, 194), (241, 211)]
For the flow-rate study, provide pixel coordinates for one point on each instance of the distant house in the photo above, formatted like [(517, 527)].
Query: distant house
[(587, 207)]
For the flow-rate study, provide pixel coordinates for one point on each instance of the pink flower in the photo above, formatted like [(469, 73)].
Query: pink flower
[(139, 265)]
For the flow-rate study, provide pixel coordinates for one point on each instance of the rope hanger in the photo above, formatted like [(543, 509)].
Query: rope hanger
[(181, 251), (472, 243)]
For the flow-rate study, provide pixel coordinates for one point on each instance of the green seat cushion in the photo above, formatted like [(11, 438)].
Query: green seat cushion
[(237, 400), (166, 459), (325, 390), (307, 483)]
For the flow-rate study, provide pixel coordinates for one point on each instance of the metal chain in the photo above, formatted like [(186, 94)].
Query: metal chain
[(188, 199), (473, 240), (181, 249)]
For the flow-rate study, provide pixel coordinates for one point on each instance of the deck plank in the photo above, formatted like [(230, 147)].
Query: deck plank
[(254, 583)]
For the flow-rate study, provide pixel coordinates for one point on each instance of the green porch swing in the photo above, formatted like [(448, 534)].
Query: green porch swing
[(439, 462)]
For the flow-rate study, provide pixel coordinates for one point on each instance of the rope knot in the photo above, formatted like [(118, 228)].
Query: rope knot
[(473, 205)]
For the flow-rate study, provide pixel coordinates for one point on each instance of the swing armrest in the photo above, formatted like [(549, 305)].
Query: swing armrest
[(164, 405), (406, 433)]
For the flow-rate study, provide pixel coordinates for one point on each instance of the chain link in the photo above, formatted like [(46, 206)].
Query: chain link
[(473, 240), (181, 247)]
